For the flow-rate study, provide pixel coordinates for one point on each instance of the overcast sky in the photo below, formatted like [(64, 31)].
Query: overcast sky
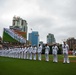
[(45, 16)]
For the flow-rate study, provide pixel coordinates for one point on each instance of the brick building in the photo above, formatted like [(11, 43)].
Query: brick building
[(71, 42)]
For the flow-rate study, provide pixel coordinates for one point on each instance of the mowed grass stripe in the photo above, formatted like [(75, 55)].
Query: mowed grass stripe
[(10, 66)]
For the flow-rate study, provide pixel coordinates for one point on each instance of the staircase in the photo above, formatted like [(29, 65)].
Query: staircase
[(15, 36)]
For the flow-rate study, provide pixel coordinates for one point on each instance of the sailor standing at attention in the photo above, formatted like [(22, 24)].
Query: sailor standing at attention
[(65, 48), (34, 52), (39, 52), (47, 49), (27, 54), (30, 52), (54, 52)]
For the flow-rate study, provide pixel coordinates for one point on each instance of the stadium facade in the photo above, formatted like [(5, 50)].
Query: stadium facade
[(17, 32)]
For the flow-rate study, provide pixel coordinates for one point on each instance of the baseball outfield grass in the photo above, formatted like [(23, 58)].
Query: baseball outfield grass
[(13, 66)]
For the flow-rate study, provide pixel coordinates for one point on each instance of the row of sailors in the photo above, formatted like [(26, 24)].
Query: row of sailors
[(25, 53), (30, 52)]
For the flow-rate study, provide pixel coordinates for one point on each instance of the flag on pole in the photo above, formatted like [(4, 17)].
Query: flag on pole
[(31, 28)]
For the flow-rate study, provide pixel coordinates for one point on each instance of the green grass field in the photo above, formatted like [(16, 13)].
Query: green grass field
[(13, 66)]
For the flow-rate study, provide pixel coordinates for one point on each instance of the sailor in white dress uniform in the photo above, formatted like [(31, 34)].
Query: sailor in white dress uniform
[(54, 52), (30, 52), (65, 48), (34, 52), (39, 52), (47, 49), (27, 54)]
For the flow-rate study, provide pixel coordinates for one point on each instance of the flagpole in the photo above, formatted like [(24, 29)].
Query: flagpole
[(31, 30)]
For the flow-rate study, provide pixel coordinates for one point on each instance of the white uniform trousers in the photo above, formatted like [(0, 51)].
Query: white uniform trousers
[(55, 58), (46, 57), (19, 54), (30, 56), (27, 55), (39, 56), (34, 56), (66, 58)]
